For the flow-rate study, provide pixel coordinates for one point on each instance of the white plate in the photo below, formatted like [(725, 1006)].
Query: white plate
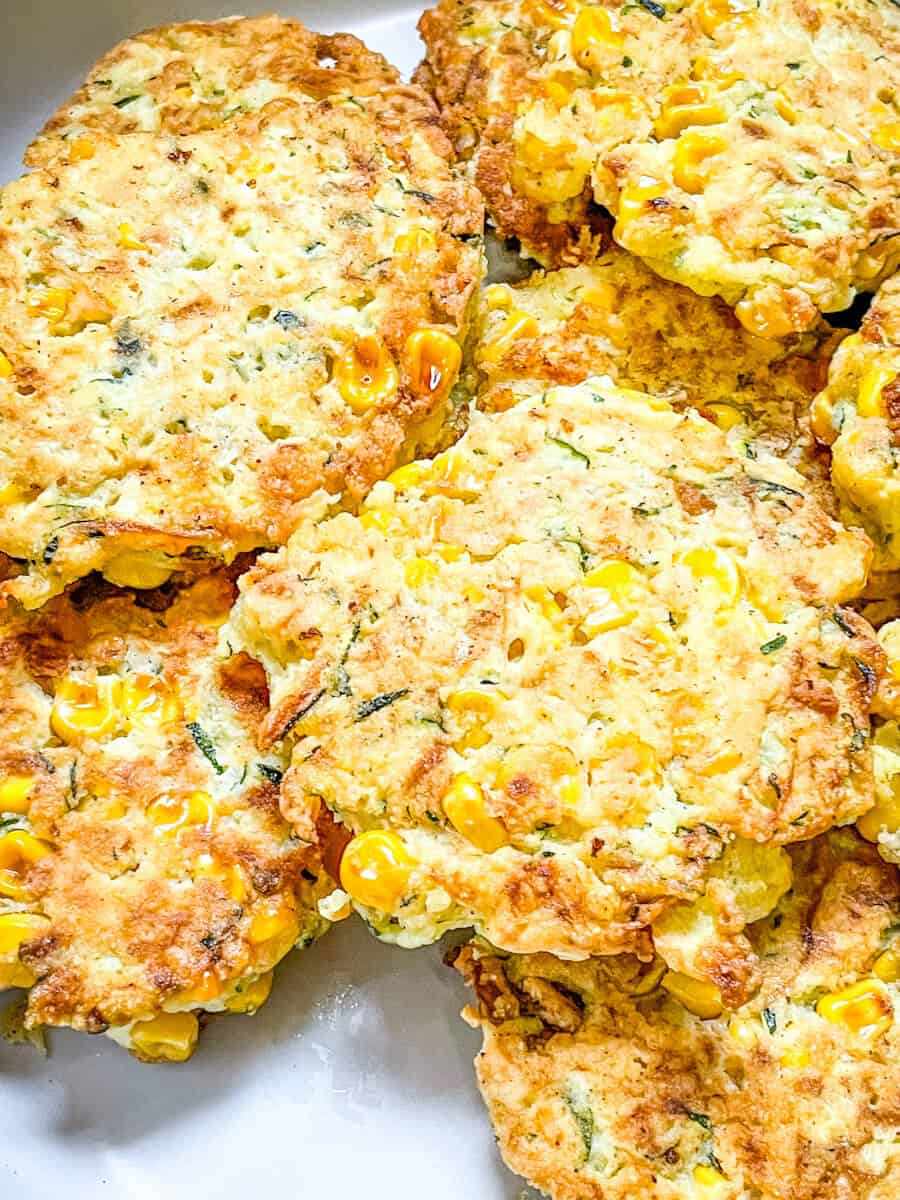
[(355, 1080)]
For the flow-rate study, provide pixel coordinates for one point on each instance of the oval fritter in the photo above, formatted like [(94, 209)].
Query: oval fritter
[(199, 332), (616, 317), (858, 415), (743, 149), (601, 1086), (574, 679), (185, 78), (146, 874)]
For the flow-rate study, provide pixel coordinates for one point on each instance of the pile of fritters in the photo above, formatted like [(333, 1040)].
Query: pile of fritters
[(338, 577)]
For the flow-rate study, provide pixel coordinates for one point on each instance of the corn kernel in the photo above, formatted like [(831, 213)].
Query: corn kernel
[(17, 928), (85, 708), (366, 374), (170, 814), (594, 35), (81, 148), (273, 920), (870, 399), (864, 1008), (887, 966), (795, 1058), (721, 763), (465, 807), (555, 13), (715, 571), (19, 851), (821, 419), (376, 870), (207, 988), (129, 240), (767, 316), (884, 817), (785, 109), (616, 588), (634, 198), (414, 474), (415, 241), (15, 793), (229, 874), (148, 700), (888, 136), (433, 360), (713, 14), (620, 105), (385, 520), (699, 997), (744, 1032), (419, 571), (686, 105), (709, 1178), (52, 303), (633, 754), (137, 571), (726, 416), (498, 296), (473, 708), (518, 326), (249, 997), (7, 370), (692, 151), (723, 77), (558, 94), (170, 1037)]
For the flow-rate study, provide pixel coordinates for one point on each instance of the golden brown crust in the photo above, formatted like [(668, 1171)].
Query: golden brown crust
[(601, 1086)]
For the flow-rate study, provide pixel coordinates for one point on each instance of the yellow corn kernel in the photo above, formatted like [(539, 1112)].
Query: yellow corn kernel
[(498, 296), (888, 136), (713, 14), (414, 474), (555, 13), (170, 1037), (692, 150), (632, 754), (887, 966), (546, 602), (15, 793), (85, 708), (744, 1032), (473, 708), (19, 851), (17, 928), (864, 1008), (726, 416), (249, 997), (714, 570), (634, 198), (466, 811), (709, 1178), (376, 870), (433, 359), (419, 571), (449, 551), (795, 1058), (685, 105), (785, 109), (766, 316), (616, 589), (721, 763), (230, 874), (207, 988), (517, 327), (415, 241), (148, 700), (383, 519), (170, 814), (557, 93), (702, 999), (619, 105), (821, 419), (594, 35), (273, 920), (723, 77), (80, 149), (52, 303), (7, 370), (869, 398), (884, 817), (137, 571), (366, 374), (129, 240)]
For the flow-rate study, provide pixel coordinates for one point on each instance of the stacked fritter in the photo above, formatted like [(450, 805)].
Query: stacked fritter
[(585, 675)]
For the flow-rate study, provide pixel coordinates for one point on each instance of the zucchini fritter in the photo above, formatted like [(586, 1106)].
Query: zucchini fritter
[(744, 149), (616, 317), (199, 332), (185, 78), (858, 415), (601, 1086), (575, 679), (146, 873)]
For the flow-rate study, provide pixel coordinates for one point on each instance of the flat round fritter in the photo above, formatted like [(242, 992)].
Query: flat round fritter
[(616, 317), (199, 332), (145, 868), (744, 149), (601, 1086), (186, 78), (858, 415), (585, 673)]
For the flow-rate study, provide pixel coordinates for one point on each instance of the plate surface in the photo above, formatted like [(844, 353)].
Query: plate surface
[(355, 1080)]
